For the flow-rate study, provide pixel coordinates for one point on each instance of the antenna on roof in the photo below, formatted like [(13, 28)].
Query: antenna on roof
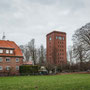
[(3, 37)]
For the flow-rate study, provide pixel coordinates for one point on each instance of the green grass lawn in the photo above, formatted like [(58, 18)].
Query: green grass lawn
[(58, 82)]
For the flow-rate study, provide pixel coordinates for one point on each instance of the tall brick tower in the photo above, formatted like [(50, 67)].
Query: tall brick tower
[(56, 48)]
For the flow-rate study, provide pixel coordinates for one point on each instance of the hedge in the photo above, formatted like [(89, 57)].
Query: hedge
[(28, 69)]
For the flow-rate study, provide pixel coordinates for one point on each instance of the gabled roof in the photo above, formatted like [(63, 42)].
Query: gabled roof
[(5, 44)]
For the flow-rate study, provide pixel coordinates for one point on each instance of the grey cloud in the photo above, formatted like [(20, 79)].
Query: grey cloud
[(36, 18)]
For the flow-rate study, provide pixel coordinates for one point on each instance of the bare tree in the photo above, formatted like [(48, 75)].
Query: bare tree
[(82, 36), (41, 55), (79, 54), (81, 43), (70, 54), (25, 51), (49, 66), (32, 50)]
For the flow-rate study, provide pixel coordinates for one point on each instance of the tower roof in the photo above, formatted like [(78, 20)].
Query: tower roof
[(55, 32)]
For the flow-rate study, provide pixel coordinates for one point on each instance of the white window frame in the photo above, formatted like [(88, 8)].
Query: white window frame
[(7, 68), (1, 59), (17, 67), (7, 51), (1, 68), (17, 60), (9, 59), (11, 51), (1, 51)]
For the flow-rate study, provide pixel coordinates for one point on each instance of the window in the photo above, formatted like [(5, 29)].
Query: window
[(17, 67), (7, 59), (7, 51), (60, 38), (0, 59), (1, 51), (11, 51), (56, 37), (50, 38), (17, 59), (63, 38), (1, 68), (8, 68)]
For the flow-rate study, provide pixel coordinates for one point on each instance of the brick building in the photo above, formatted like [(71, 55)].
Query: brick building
[(11, 57), (56, 48)]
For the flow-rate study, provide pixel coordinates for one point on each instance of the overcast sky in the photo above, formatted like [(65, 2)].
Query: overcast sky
[(22, 20)]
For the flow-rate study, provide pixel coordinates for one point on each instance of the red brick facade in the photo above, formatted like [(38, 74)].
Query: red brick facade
[(56, 48), (11, 57)]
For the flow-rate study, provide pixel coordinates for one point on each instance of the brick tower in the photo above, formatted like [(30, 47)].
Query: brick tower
[(56, 48)]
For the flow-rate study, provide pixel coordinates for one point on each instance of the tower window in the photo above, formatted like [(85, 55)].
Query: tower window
[(63, 38), (50, 38), (0, 59), (60, 38), (56, 37)]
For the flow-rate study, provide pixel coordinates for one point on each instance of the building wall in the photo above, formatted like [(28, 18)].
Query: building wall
[(12, 64), (56, 48)]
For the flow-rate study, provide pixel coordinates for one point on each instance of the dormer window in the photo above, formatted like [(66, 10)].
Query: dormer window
[(7, 51), (1, 51), (11, 51)]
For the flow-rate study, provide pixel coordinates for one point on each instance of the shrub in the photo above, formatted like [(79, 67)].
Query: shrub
[(28, 69)]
